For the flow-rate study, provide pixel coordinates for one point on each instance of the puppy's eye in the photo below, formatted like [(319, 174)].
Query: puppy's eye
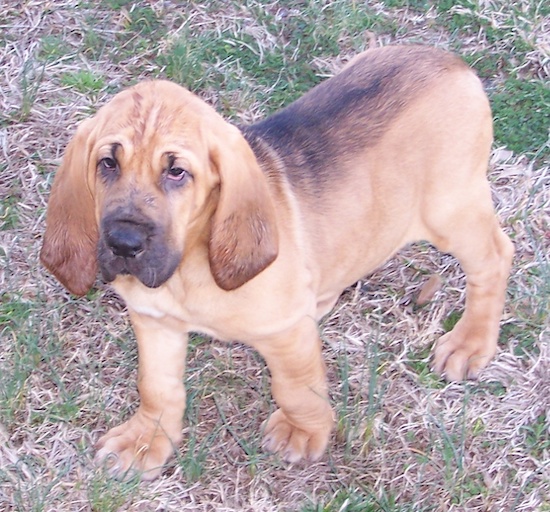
[(107, 165), (177, 174)]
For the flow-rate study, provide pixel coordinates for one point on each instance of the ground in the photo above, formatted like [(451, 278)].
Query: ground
[(405, 440)]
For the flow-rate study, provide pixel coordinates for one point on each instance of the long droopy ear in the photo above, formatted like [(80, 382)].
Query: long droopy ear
[(70, 241), (244, 237)]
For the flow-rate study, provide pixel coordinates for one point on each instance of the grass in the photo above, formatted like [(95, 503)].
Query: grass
[(515, 97), (83, 81), (405, 440)]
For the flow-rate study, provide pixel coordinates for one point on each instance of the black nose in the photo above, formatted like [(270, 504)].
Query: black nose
[(126, 239)]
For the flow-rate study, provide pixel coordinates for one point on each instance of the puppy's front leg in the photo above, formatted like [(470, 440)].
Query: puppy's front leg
[(147, 439), (302, 426)]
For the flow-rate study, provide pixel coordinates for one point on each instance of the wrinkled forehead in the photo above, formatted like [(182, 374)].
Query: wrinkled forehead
[(153, 111)]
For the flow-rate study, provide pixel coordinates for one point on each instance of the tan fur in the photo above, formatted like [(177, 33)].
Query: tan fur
[(270, 223), (243, 238)]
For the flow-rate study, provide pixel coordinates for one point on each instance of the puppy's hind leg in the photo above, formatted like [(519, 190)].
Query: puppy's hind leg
[(472, 234)]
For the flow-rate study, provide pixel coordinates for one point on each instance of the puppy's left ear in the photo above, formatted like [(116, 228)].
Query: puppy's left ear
[(70, 241), (244, 238)]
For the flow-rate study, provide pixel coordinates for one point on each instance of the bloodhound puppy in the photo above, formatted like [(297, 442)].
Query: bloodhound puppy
[(251, 234)]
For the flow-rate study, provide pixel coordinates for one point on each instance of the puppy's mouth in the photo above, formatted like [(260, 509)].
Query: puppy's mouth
[(138, 248)]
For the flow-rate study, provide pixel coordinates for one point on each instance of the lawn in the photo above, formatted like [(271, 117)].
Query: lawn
[(405, 440)]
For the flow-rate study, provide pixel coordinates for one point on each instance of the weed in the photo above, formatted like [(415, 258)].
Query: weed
[(420, 363), (451, 320), (524, 342), (31, 78), (116, 4), (193, 462), (537, 437), (9, 216), (355, 427), (83, 81), (107, 495), (53, 47), (16, 323), (353, 500), (143, 22)]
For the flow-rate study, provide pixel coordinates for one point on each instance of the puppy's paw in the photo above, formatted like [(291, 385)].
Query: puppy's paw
[(293, 443), (137, 447), (459, 356)]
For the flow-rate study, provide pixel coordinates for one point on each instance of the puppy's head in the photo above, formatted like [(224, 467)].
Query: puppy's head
[(153, 173)]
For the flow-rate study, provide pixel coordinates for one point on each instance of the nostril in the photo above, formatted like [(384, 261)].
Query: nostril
[(126, 240)]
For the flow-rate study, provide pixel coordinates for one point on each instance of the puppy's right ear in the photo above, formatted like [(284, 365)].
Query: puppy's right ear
[(70, 243)]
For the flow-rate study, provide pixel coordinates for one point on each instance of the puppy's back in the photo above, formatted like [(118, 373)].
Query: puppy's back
[(351, 111)]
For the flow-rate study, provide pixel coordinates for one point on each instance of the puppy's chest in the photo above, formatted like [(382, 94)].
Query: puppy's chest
[(221, 315), (178, 312), (226, 316)]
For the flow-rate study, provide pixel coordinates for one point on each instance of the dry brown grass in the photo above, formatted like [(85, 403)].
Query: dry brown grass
[(405, 440)]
